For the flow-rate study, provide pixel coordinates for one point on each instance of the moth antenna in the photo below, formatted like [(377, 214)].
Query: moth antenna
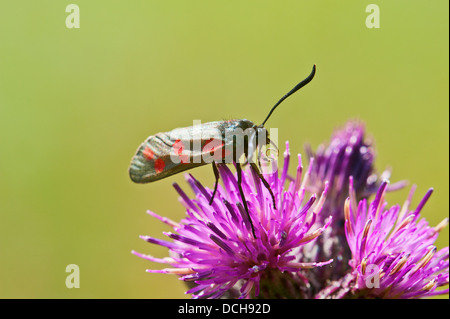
[(295, 89)]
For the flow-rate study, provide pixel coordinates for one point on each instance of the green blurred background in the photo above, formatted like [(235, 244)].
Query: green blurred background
[(76, 103)]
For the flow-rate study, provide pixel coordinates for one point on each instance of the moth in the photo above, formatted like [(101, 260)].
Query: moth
[(216, 143)]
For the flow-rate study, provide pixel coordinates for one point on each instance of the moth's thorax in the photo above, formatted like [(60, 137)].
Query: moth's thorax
[(243, 124)]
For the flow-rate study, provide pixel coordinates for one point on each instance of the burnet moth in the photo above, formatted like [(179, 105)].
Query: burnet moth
[(219, 143)]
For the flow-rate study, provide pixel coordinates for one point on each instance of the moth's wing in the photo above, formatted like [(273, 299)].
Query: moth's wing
[(158, 158), (181, 149)]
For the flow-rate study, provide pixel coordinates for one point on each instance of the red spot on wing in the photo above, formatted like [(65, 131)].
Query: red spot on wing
[(212, 145), (215, 148), (148, 154), (184, 159), (178, 147), (159, 165)]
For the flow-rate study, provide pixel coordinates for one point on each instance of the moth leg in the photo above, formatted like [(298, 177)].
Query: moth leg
[(241, 192), (255, 168), (216, 174)]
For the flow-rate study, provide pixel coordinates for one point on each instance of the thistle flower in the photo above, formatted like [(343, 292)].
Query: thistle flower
[(214, 248), (349, 153), (393, 252)]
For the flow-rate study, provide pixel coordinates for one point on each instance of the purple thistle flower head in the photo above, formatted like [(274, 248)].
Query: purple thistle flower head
[(214, 249), (348, 154), (393, 252)]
